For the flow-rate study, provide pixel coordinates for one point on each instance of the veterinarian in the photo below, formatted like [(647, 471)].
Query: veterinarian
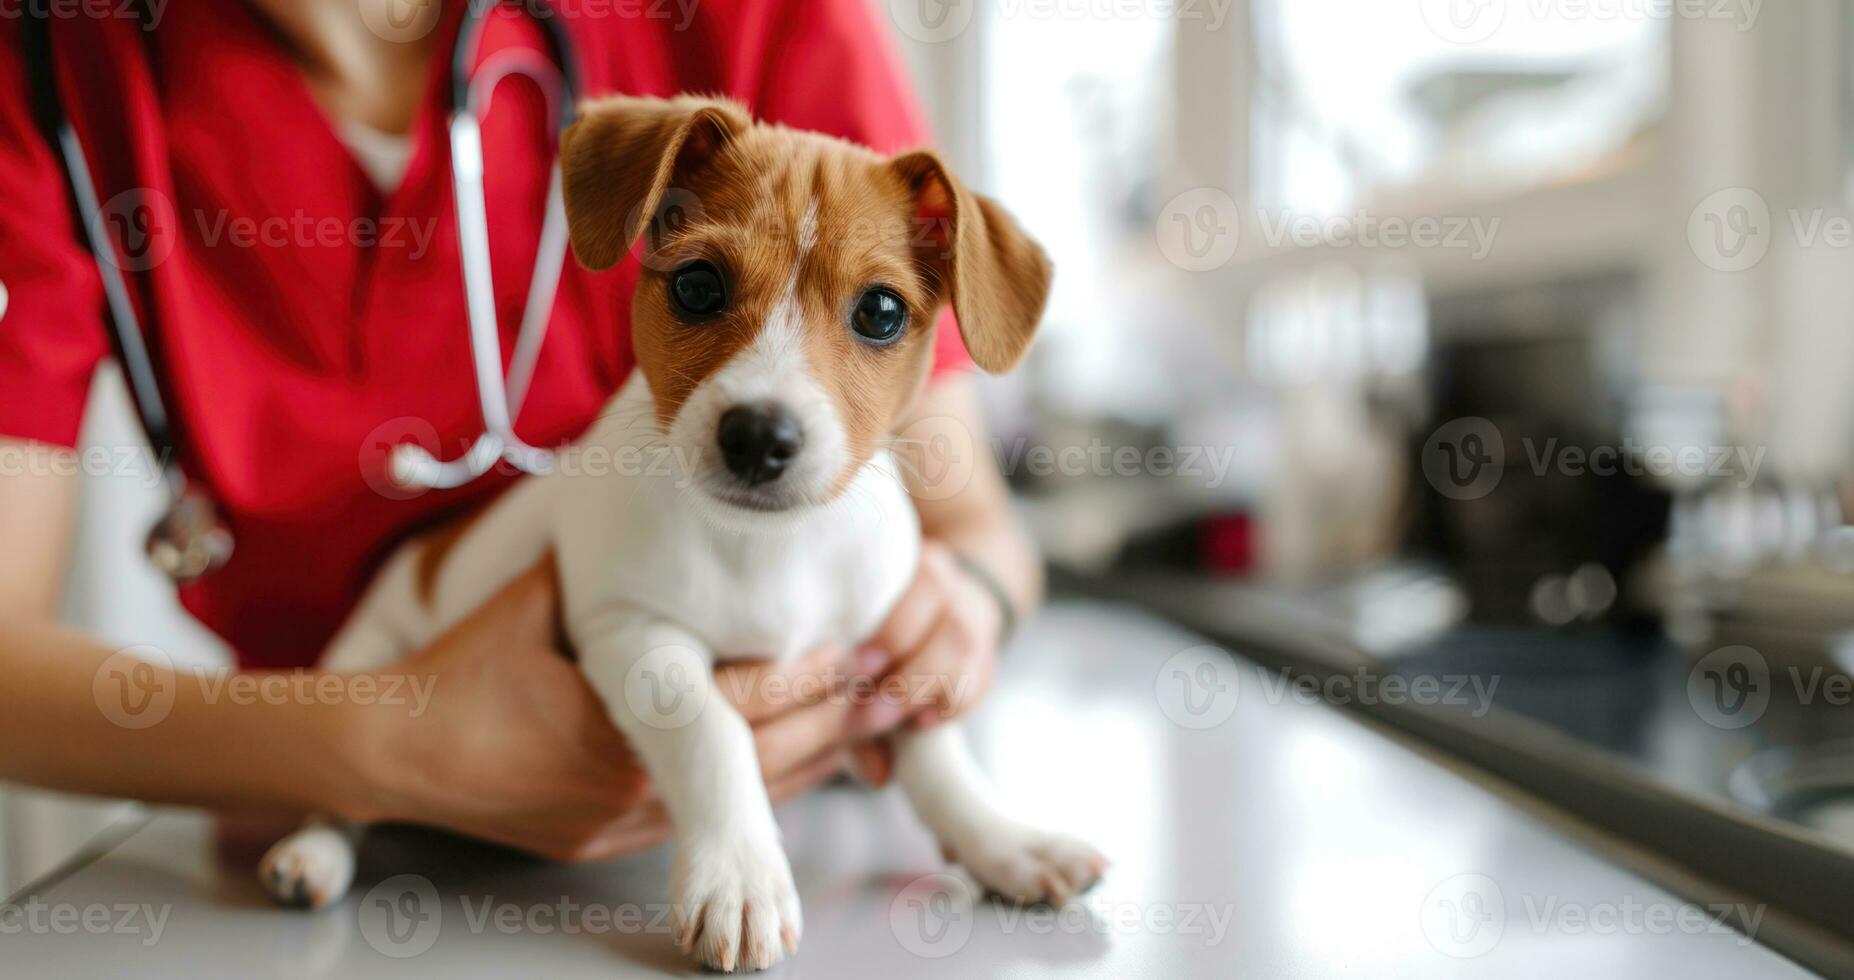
[(279, 174)]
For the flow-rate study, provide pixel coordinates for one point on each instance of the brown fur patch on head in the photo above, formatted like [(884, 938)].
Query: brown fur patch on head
[(800, 226), (781, 204)]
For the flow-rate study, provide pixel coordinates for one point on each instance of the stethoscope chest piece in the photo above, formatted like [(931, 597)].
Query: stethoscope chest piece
[(189, 541)]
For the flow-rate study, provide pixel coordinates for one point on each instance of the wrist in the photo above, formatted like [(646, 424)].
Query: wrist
[(354, 778), (994, 589)]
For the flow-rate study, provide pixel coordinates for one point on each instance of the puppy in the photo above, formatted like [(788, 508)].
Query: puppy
[(781, 329)]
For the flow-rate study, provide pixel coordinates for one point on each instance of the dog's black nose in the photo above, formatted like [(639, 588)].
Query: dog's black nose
[(757, 441)]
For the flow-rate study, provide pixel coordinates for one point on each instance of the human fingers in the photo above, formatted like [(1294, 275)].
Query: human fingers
[(786, 742), (763, 689), (920, 605)]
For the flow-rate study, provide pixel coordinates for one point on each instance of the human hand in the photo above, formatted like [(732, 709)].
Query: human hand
[(937, 653), (514, 746)]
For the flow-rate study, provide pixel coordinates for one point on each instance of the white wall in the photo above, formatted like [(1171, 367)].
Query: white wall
[(113, 594)]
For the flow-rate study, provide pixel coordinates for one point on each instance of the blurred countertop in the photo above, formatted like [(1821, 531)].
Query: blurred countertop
[(1253, 834)]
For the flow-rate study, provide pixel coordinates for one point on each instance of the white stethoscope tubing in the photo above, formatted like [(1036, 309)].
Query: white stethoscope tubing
[(500, 398), (190, 540)]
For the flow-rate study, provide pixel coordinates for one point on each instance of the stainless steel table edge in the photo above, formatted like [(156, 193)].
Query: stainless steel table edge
[(1697, 847)]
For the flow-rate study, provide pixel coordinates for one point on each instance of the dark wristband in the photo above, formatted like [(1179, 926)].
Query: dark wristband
[(1007, 622)]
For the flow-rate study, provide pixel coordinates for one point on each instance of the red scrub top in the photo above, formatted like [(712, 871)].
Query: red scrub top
[(293, 352)]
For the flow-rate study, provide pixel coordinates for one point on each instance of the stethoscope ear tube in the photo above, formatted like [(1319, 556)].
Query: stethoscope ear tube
[(190, 541), (413, 465), (500, 398), (470, 36)]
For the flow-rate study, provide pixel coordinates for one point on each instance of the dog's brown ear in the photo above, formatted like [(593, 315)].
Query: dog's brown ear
[(623, 153), (996, 275)]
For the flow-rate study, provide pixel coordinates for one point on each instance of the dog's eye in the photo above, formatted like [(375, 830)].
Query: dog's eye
[(880, 316), (697, 291)]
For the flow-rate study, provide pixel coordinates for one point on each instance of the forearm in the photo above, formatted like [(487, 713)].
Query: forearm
[(69, 718), (993, 540), (972, 513)]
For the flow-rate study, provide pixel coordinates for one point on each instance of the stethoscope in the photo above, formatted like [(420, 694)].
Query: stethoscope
[(190, 540)]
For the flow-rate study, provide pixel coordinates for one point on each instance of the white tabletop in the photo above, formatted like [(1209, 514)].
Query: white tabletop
[(1252, 834)]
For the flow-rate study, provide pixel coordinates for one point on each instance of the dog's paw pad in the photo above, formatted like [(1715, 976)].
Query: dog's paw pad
[(737, 909), (1032, 867), (309, 869)]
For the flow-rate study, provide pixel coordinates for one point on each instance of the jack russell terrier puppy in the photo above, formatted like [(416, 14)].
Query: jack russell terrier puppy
[(780, 332)]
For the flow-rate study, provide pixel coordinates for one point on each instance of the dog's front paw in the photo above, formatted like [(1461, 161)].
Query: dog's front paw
[(311, 868), (1030, 866), (735, 905)]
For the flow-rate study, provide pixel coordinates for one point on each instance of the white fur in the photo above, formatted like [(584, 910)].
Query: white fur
[(659, 579)]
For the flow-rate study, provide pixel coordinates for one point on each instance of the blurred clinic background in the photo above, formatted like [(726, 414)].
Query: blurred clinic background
[(1501, 338), (1493, 338)]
